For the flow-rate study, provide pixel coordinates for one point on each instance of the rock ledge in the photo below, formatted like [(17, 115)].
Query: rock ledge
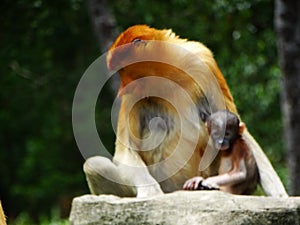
[(183, 207)]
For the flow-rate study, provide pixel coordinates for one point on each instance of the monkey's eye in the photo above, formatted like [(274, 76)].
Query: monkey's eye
[(136, 41), (227, 134)]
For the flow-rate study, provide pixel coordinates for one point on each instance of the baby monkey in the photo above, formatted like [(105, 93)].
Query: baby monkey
[(238, 173)]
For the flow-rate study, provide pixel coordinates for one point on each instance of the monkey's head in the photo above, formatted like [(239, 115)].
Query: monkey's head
[(133, 44), (142, 51), (224, 128)]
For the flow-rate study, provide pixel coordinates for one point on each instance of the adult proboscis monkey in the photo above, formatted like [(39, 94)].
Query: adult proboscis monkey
[(161, 140)]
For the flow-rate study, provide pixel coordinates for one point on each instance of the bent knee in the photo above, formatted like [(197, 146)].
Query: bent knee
[(95, 164)]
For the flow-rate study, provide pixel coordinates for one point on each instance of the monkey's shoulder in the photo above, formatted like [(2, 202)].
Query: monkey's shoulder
[(240, 147)]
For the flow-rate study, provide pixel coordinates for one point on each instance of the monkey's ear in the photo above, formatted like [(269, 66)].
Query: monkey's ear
[(241, 128)]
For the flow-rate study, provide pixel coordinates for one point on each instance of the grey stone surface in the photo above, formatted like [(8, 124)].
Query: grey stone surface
[(185, 207)]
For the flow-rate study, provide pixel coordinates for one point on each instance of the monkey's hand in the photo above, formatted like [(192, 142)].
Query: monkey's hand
[(207, 185), (199, 183), (193, 183)]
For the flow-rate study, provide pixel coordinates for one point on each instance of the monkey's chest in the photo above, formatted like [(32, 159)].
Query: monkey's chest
[(157, 134), (225, 165), (166, 138)]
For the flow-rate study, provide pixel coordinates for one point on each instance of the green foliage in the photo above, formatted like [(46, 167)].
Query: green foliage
[(47, 45), (24, 219)]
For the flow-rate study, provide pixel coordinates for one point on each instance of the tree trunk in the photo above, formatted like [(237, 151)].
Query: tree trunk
[(287, 23), (105, 29), (104, 24)]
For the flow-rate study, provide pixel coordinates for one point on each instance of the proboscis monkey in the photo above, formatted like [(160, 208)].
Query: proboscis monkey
[(237, 172), (166, 82)]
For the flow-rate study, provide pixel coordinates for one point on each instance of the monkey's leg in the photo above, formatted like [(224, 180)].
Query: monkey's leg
[(97, 169)]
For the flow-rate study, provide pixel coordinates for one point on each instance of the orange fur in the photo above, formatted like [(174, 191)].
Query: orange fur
[(142, 69), (241, 153)]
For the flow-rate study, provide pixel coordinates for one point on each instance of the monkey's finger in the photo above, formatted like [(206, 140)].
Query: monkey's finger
[(197, 183), (186, 185), (191, 185)]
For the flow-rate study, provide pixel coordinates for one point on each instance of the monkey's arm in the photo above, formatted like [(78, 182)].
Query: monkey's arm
[(235, 176), (226, 179), (130, 163)]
